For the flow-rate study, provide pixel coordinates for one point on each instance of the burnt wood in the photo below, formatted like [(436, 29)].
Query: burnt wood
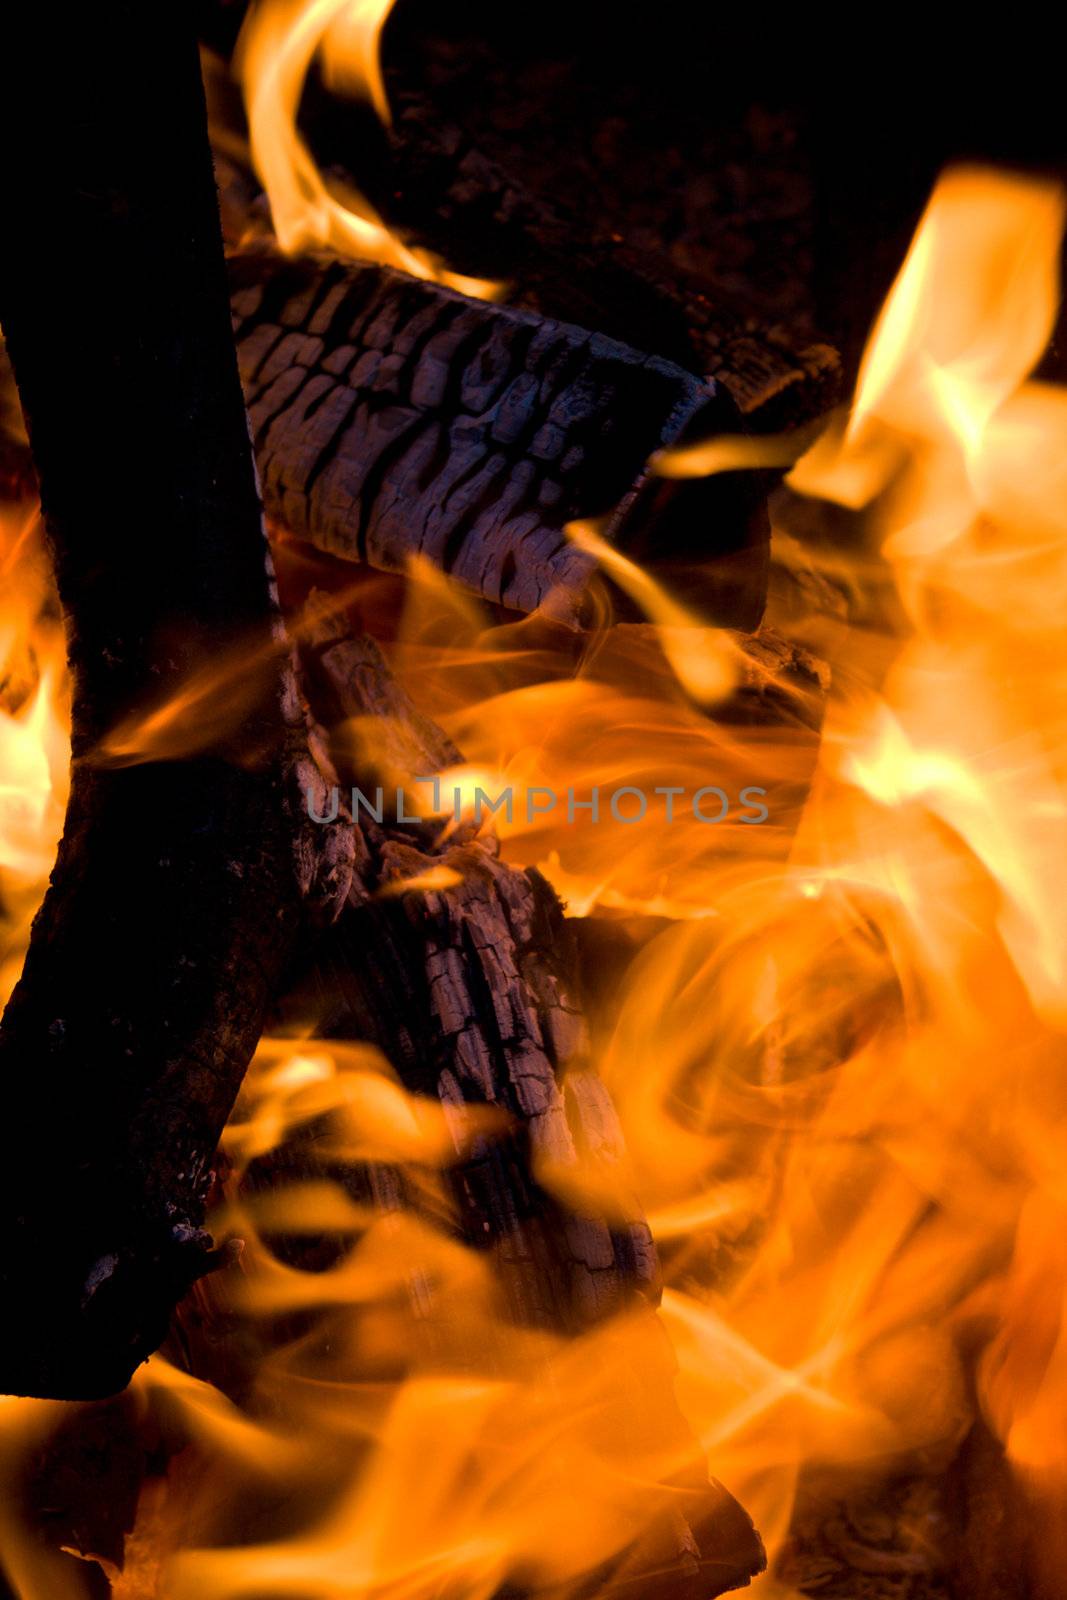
[(175, 895), (395, 418), (452, 177)]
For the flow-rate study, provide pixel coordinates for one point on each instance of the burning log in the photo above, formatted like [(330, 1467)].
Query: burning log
[(183, 876), (395, 418), (463, 971), (176, 900), (469, 989), (175, 895), (458, 187)]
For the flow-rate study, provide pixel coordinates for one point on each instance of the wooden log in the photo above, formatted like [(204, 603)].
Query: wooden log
[(175, 896), (460, 187), (394, 418), (473, 989)]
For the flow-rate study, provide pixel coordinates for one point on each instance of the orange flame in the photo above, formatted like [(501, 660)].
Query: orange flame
[(34, 741), (867, 1043), (279, 41)]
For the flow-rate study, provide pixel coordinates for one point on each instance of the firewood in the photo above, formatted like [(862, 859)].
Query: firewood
[(394, 418), (175, 896)]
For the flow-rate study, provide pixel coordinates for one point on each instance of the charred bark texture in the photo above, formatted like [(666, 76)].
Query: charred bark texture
[(174, 897), (394, 418)]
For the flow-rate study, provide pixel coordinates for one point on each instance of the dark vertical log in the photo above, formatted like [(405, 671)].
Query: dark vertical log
[(174, 896)]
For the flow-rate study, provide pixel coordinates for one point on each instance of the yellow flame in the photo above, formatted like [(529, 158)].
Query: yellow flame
[(736, 453), (34, 738), (703, 660), (560, 735), (439, 877), (279, 41)]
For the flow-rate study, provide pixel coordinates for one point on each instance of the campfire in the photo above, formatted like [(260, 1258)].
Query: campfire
[(531, 805)]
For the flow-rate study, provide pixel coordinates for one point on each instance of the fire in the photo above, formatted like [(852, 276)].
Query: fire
[(867, 1043), (420, 1443), (564, 726), (838, 1069), (838, 1076), (280, 40), (34, 738)]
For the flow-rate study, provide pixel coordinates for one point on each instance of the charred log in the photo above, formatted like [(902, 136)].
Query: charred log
[(394, 418), (175, 895), (452, 176)]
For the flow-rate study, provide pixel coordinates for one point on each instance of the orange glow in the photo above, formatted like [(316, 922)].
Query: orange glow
[(736, 453), (213, 703), (867, 1044), (629, 714)]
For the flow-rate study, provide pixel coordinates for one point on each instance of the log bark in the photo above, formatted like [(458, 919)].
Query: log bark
[(175, 895), (394, 418)]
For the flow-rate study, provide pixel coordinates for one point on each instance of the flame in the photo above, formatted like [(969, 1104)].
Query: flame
[(736, 452), (435, 1470), (440, 877), (34, 738), (866, 1044), (702, 660), (564, 733), (279, 42), (838, 1076)]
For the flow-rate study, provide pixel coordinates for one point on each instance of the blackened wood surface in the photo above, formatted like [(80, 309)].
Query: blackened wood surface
[(174, 895), (395, 418)]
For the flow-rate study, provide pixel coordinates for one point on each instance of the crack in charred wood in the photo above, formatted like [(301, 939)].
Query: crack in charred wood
[(465, 432)]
